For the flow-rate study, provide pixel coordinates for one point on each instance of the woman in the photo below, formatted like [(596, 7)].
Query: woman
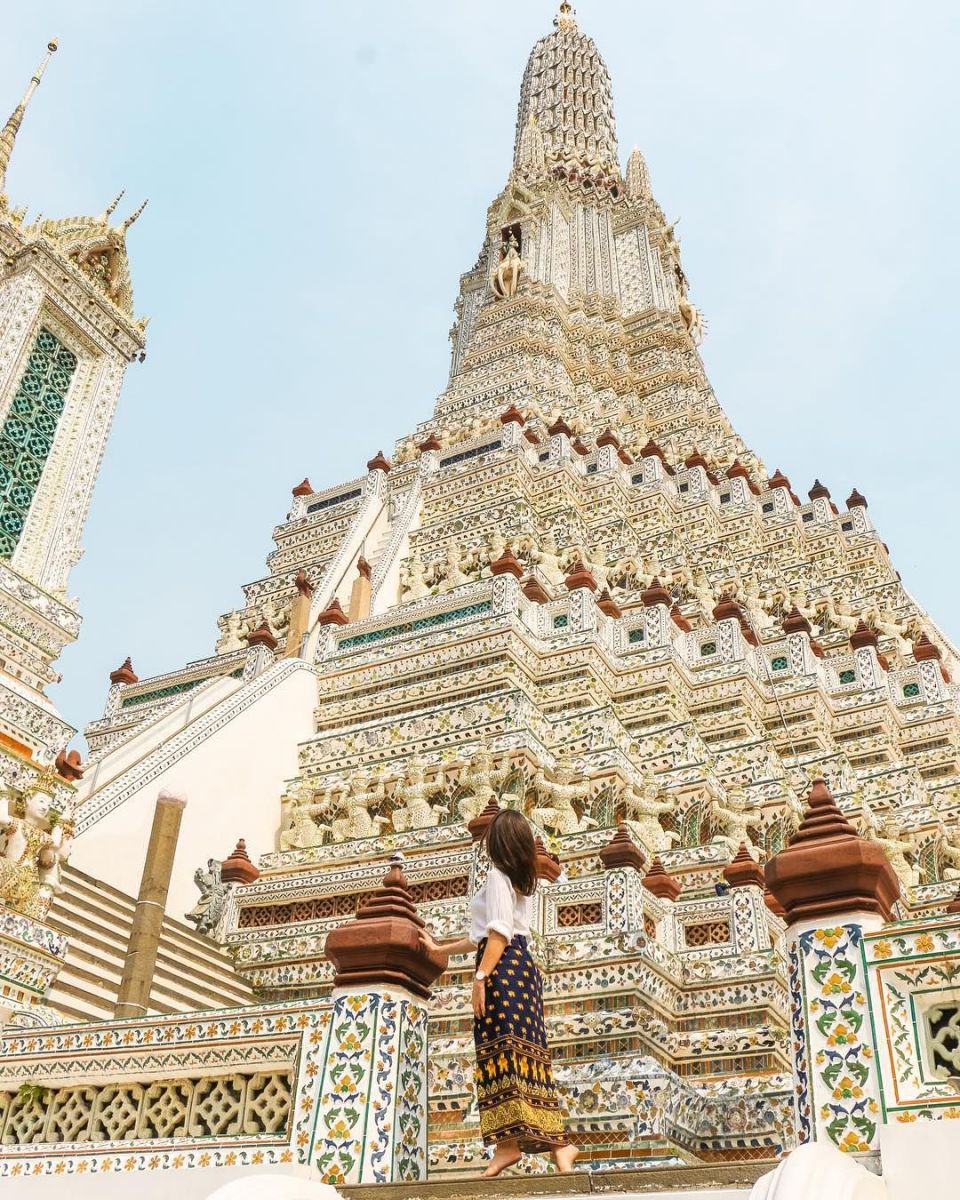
[(519, 1110)]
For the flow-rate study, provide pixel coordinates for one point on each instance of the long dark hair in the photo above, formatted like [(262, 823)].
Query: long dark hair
[(511, 848)]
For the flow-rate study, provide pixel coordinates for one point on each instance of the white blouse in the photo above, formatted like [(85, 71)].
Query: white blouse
[(498, 908)]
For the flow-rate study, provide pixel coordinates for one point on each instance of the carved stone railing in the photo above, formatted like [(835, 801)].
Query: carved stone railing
[(335, 1089), (141, 1110)]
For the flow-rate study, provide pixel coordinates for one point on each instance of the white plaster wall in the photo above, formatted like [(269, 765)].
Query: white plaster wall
[(233, 781)]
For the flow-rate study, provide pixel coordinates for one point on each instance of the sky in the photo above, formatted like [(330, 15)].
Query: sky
[(318, 177)]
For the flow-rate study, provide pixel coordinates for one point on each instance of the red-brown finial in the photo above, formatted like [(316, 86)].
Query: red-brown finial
[(507, 564), (381, 945), (827, 869), (303, 488), (124, 673), (512, 416), (778, 480), (579, 577), (924, 649), (478, 827), (660, 883), (862, 636), (431, 442), (68, 765), (796, 622), (560, 426), (303, 584), (743, 870), (534, 590), (548, 865), (238, 868), (333, 614), (818, 491), (607, 604), (261, 636), (622, 851), (608, 438), (379, 462), (655, 594), (855, 500)]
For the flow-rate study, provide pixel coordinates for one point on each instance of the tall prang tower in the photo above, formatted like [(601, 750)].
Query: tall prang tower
[(67, 333), (573, 590)]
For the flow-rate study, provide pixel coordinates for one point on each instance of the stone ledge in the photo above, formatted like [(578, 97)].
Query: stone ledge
[(705, 1177)]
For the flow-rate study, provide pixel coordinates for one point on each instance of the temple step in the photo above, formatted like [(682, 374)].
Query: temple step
[(192, 972), (707, 1181)]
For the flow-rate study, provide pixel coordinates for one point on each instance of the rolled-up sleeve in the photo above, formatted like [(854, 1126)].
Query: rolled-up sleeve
[(500, 904)]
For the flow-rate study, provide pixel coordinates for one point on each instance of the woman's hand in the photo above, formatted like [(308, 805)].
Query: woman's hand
[(428, 943), (479, 997)]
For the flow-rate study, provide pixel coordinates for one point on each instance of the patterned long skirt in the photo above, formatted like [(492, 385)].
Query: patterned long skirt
[(514, 1077)]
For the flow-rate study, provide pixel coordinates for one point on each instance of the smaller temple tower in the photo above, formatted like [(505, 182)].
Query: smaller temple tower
[(67, 333)]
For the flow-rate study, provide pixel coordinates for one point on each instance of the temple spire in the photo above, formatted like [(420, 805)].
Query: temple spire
[(9, 133), (566, 102)]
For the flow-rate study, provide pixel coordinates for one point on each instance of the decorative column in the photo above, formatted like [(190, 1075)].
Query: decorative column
[(300, 493), (329, 621), (857, 512), (583, 611), (512, 422), (261, 651), (657, 601), (506, 571), (378, 468), (560, 438), (133, 998), (372, 1097), (607, 446), (834, 887), (299, 615), (119, 679), (868, 661), (429, 454), (362, 591)]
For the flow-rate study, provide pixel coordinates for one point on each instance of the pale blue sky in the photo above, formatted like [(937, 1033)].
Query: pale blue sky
[(319, 174)]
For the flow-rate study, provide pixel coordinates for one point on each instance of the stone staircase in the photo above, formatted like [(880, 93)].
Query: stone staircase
[(192, 971), (707, 1181)]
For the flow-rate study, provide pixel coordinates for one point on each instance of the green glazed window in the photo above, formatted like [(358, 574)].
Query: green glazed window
[(779, 664), (27, 434)]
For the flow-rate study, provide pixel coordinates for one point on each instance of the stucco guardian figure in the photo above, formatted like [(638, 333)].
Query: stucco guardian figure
[(644, 808), (506, 277), (36, 843)]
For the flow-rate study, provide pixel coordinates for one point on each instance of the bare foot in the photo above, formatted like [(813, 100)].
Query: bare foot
[(505, 1156), (564, 1157)]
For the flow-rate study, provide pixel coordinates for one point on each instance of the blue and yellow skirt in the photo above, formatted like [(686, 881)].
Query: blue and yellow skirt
[(514, 1076)]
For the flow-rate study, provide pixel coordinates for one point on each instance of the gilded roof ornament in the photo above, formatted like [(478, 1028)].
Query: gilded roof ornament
[(8, 135), (112, 206), (566, 18)]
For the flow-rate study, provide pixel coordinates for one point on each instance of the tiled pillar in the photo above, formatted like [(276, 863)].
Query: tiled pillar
[(371, 1122), (372, 1096), (834, 886)]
